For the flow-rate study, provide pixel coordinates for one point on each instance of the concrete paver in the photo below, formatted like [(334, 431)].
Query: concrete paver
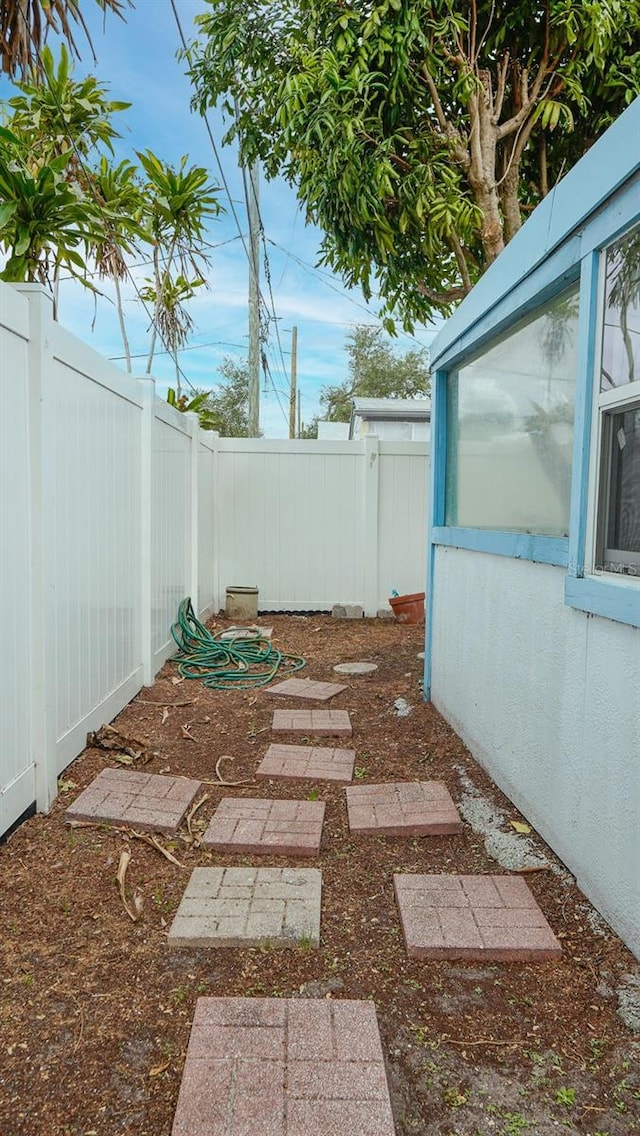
[(355, 668), (141, 800), (334, 723), (283, 1067), (246, 907), (315, 763), (306, 688), (272, 828), (473, 917), (414, 808)]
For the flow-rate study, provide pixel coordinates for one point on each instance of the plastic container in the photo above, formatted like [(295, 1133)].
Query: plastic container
[(242, 603), (408, 609)]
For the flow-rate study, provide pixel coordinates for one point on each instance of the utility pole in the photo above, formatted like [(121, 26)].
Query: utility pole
[(294, 382), (254, 303), (299, 421)]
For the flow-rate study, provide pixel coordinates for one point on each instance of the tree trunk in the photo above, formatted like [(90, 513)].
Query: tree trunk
[(510, 201), (482, 170), (123, 330)]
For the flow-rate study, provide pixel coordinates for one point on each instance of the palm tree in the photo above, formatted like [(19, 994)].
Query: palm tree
[(171, 318), (25, 24), (118, 189), (178, 203)]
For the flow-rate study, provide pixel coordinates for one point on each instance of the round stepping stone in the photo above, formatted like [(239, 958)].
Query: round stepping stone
[(355, 668)]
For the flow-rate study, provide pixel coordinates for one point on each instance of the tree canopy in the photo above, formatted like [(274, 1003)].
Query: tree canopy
[(375, 371), (417, 134)]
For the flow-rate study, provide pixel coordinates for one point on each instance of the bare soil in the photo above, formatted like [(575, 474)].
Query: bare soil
[(95, 1010)]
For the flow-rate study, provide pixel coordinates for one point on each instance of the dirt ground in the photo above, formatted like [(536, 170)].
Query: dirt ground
[(95, 1010)]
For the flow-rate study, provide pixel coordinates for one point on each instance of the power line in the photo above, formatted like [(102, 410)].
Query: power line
[(189, 347)]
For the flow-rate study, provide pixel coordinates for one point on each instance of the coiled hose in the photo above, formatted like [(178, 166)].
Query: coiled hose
[(226, 664)]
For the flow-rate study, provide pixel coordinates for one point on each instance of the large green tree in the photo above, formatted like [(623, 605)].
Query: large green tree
[(376, 370), (417, 134)]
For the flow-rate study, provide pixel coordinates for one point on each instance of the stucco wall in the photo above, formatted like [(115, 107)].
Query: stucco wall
[(548, 700)]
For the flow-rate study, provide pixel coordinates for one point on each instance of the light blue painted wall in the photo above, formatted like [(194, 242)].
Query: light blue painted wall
[(536, 665)]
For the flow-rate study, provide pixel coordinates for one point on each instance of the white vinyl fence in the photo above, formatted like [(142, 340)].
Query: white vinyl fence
[(313, 524), (114, 507), (99, 519)]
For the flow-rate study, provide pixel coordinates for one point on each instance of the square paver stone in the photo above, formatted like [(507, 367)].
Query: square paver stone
[(307, 688), (412, 808), (272, 828), (283, 1067), (473, 917), (330, 722), (140, 800), (246, 907), (315, 763)]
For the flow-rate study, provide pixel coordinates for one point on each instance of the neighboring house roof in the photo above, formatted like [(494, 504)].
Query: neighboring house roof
[(400, 416), (414, 408)]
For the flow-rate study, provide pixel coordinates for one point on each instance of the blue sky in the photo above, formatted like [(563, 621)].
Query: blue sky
[(137, 59)]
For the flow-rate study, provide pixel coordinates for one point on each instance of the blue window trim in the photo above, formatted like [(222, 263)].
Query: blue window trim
[(587, 339), (610, 599), (519, 546), (436, 507)]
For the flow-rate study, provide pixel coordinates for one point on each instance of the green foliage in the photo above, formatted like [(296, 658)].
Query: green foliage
[(228, 402), (55, 113), (43, 222), (50, 215), (197, 404), (415, 133), (375, 371)]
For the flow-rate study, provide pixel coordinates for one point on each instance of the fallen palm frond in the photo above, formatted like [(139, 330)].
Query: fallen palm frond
[(134, 909)]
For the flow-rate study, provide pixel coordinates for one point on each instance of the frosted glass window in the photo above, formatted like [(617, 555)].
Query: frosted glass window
[(510, 427)]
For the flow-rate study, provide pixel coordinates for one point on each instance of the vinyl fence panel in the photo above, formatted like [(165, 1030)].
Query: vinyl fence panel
[(17, 769)]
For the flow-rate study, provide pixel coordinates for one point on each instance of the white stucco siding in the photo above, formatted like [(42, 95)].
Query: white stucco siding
[(548, 700)]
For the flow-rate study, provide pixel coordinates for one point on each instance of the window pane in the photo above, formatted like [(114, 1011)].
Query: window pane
[(621, 332), (623, 527), (510, 427)]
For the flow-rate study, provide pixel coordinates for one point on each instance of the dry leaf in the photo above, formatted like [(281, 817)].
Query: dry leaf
[(158, 1069), (123, 758), (165, 715), (134, 912), (520, 826), (66, 786), (176, 681), (186, 733)]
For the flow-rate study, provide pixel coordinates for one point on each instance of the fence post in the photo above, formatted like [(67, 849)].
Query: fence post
[(148, 392), (42, 587), (371, 498), (193, 574), (215, 522)]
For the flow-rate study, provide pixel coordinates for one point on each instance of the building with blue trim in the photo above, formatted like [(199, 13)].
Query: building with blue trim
[(533, 589)]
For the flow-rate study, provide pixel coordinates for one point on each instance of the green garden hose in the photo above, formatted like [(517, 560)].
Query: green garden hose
[(239, 664)]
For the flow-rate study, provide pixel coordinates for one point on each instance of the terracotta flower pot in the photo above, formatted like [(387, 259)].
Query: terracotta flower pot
[(408, 609)]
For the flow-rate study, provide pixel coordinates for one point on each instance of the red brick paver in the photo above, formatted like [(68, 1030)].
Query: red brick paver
[(141, 800), (283, 1067), (414, 808), (473, 917), (317, 763), (306, 688), (331, 722), (273, 828)]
